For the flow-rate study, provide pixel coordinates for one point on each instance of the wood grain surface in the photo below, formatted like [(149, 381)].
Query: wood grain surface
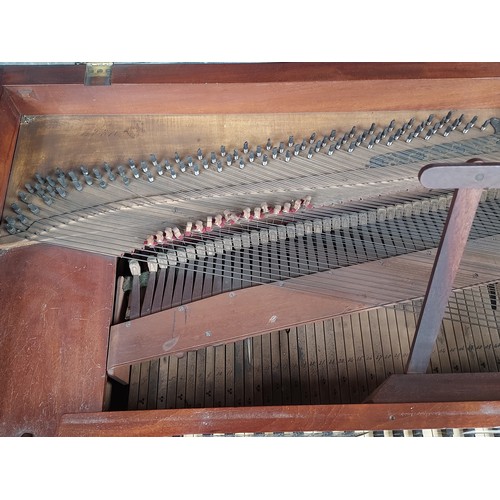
[(56, 308)]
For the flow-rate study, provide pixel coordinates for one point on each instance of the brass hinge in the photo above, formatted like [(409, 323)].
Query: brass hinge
[(98, 73)]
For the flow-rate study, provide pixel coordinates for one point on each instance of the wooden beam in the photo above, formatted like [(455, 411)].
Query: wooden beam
[(437, 387), (348, 417), (232, 316)]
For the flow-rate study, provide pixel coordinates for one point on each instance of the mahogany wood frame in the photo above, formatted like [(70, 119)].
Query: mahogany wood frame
[(241, 88)]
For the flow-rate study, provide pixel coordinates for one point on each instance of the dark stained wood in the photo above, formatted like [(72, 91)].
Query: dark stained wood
[(463, 414), (57, 307), (9, 128), (247, 72), (427, 388)]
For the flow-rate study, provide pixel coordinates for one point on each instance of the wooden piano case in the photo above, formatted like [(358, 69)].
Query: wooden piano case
[(57, 303)]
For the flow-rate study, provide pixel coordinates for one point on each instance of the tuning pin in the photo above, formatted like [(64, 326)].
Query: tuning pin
[(269, 144), (338, 144), (251, 157), (324, 142), (331, 149), (455, 124), (274, 153), (241, 163), (470, 125), (213, 158), (312, 138), (182, 167), (351, 147), (245, 147), (133, 168), (33, 208), (177, 157), (290, 141), (219, 166), (229, 160), (352, 132), (485, 124), (418, 131), (409, 138), (372, 129), (107, 169), (385, 132), (50, 181), (371, 143), (196, 169), (24, 197), (429, 134), (223, 151), (296, 150), (121, 172), (16, 208), (359, 140), (398, 134), (318, 147), (446, 133), (310, 153), (447, 118), (282, 147), (204, 162), (199, 154), (29, 188), (264, 160), (236, 155), (189, 160), (153, 159), (39, 178), (460, 119), (23, 219), (333, 133), (75, 181), (62, 193), (429, 120), (390, 140)]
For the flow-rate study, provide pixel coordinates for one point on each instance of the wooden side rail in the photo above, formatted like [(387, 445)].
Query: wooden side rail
[(347, 417), (429, 387)]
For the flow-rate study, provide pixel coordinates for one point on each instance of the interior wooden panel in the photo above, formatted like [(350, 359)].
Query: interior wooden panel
[(57, 306)]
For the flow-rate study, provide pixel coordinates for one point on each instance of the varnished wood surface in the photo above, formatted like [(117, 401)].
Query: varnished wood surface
[(267, 97), (431, 387), (9, 127), (463, 414), (253, 72), (56, 308)]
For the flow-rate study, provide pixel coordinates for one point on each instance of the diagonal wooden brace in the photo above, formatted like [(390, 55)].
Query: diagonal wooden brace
[(468, 179)]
